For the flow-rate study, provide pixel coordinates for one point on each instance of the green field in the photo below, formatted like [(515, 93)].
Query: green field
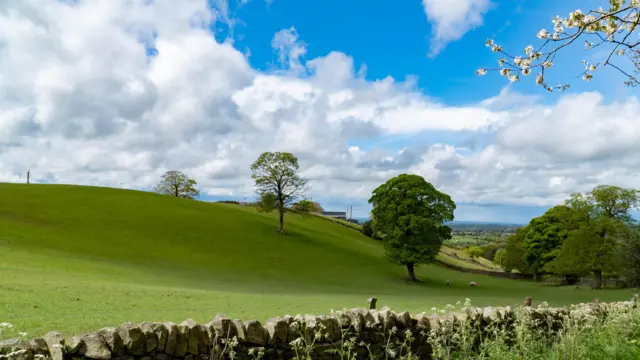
[(79, 258), (463, 260)]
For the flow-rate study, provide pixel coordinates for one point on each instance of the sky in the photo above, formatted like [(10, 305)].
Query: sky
[(117, 92)]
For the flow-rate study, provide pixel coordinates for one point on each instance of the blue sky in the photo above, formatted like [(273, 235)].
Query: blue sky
[(393, 39), (367, 90)]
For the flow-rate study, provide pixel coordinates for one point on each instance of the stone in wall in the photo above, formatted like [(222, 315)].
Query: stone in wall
[(211, 341)]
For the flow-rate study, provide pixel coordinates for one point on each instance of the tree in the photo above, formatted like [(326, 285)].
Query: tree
[(514, 250), (500, 258), (546, 234), (304, 207), (587, 252), (630, 255), (367, 228), (409, 214), (604, 218), (177, 184), (317, 207), (612, 32), (474, 252), (277, 182)]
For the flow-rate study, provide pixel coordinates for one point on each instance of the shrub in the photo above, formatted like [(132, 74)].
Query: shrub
[(367, 230)]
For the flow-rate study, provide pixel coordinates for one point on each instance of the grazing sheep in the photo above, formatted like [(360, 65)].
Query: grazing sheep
[(448, 282), (472, 284)]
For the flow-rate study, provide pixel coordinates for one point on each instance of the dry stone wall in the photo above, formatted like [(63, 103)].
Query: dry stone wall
[(369, 331)]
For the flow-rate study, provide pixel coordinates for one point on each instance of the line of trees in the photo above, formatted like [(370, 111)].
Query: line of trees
[(591, 234), (277, 182), (408, 213)]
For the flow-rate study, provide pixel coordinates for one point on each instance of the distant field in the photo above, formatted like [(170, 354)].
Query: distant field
[(448, 255), (465, 240), (80, 258)]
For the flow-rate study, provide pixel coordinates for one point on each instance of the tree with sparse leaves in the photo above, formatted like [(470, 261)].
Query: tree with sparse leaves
[(175, 183), (612, 32), (277, 182), (409, 214)]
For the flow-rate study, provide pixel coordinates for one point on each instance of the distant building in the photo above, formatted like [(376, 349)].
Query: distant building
[(342, 215)]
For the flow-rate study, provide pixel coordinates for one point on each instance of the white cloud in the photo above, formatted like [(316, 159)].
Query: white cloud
[(451, 19), (82, 103), (290, 49)]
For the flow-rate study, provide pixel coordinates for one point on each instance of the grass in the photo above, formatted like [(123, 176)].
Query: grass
[(80, 258), (447, 255), (588, 331)]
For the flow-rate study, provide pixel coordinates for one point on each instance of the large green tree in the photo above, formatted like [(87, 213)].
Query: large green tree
[(277, 182), (410, 215), (514, 252), (175, 183), (604, 220), (630, 255), (546, 234)]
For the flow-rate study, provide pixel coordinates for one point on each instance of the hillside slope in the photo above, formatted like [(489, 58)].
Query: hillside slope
[(80, 257)]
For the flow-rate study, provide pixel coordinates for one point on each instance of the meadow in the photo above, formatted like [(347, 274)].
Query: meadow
[(80, 258)]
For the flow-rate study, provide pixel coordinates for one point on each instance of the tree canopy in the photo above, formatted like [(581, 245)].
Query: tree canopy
[(514, 259), (611, 34), (409, 214), (474, 251), (546, 234), (277, 182), (175, 183), (604, 221), (305, 207)]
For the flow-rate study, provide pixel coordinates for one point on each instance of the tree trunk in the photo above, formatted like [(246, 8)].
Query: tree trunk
[(598, 276), (281, 222), (410, 270)]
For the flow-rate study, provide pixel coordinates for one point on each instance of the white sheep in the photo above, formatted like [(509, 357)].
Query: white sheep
[(472, 284)]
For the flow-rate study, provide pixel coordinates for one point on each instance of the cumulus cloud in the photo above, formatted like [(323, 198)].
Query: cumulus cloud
[(451, 19), (82, 102)]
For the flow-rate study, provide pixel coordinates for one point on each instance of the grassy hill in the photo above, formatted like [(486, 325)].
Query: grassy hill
[(79, 258)]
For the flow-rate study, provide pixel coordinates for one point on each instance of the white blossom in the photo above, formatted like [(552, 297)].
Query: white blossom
[(529, 49), (621, 51), (587, 77), (547, 64), (592, 68), (526, 71), (505, 72), (517, 60), (501, 61), (482, 71), (513, 78), (539, 79), (543, 34)]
